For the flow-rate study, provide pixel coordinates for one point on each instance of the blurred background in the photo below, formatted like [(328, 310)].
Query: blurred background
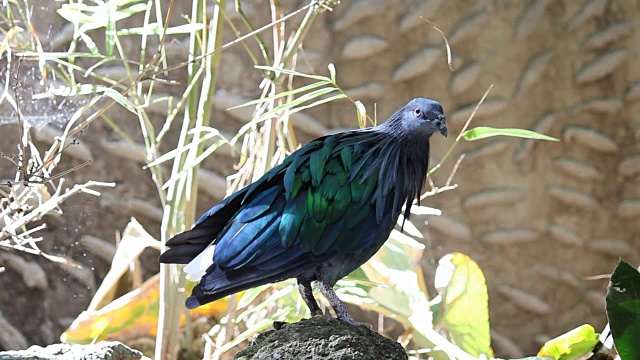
[(543, 220)]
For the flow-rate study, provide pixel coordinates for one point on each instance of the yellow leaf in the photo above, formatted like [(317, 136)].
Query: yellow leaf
[(130, 316)]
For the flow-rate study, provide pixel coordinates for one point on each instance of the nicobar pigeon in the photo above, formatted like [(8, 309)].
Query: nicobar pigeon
[(317, 216)]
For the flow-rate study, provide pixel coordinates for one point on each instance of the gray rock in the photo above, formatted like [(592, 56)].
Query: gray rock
[(322, 338), (104, 350)]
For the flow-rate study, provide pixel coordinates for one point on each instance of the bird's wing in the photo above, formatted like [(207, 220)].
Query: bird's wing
[(302, 208), (330, 196)]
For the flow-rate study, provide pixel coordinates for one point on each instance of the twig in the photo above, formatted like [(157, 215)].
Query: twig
[(455, 168), (430, 181), (48, 206), (446, 42), (225, 46), (464, 128), (237, 32), (247, 22), (33, 230), (438, 190), (598, 277), (22, 148), (447, 185)]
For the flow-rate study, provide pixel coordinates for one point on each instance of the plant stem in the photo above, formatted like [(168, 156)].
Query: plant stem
[(179, 213), (464, 128)]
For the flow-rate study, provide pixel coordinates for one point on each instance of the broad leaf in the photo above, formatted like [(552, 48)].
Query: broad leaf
[(400, 290), (464, 308), (485, 132), (131, 316), (134, 240), (571, 346), (134, 314), (623, 310)]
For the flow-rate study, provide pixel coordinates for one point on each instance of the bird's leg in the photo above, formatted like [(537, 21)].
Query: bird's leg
[(338, 306), (304, 287)]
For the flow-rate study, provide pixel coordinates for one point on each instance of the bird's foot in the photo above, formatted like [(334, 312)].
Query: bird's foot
[(349, 320), (338, 306)]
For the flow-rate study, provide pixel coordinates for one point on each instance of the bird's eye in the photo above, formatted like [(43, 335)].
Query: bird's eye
[(418, 112)]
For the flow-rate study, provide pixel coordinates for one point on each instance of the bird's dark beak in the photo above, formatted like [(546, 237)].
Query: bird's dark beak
[(440, 124), (443, 129)]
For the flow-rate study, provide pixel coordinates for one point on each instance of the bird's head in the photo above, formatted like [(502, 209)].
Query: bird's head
[(424, 115)]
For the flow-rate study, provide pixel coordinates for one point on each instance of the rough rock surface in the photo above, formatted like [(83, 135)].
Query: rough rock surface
[(322, 338), (104, 350)]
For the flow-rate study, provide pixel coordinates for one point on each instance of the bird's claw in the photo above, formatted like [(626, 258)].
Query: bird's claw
[(352, 322)]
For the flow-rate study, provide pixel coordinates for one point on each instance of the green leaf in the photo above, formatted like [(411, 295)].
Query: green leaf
[(465, 303), (86, 89), (91, 45), (110, 31), (282, 94), (120, 99), (98, 64), (105, 14), (623, 310), (319, 102), (573, 345), (250, 295), (358, 279), (485, 132), (332, 73), (73, 13), (292, 72), (191, 164), (156, 29), (58, 55), (289, 105), (273, 298), (259, 327), (80, 89), (205, 154), (179, 150), (362, 114)]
